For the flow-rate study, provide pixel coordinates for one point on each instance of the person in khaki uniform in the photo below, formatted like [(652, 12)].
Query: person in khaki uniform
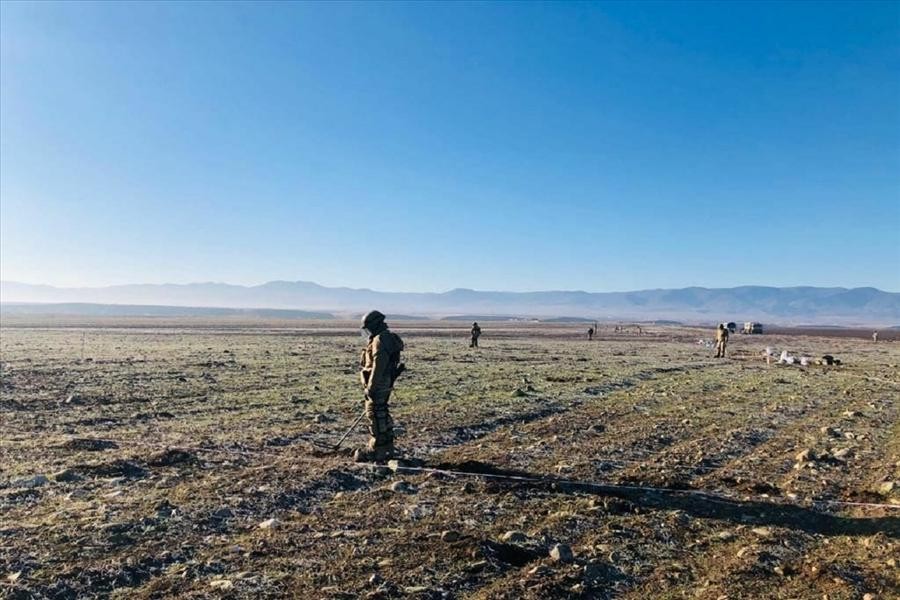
[(721, 341), (379, 367)]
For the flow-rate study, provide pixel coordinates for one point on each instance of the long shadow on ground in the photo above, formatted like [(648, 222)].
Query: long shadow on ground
[(693, 502)]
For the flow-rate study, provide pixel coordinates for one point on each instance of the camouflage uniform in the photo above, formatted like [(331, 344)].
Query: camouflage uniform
[(476, 333), (721, 341), (378, 366)]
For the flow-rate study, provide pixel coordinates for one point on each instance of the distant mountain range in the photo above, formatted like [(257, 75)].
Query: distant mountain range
[(793, 305)]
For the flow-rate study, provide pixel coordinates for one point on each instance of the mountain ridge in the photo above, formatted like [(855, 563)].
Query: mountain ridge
[(806, 304)]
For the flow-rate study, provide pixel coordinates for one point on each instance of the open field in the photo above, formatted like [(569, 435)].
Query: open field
[(138, 459)]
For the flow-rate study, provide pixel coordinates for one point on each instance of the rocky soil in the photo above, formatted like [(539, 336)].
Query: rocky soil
[(193, 461)]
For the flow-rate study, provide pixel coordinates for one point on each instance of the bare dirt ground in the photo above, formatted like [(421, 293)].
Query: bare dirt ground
[(156, 459)]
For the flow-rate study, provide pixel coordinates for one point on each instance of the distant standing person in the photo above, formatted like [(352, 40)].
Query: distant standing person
[(875, 336), (476, 333), (590, 333), (721, 340)]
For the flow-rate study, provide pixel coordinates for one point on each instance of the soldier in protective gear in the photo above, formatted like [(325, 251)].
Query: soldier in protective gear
[(379, 366), (721, 340), (476, 333)]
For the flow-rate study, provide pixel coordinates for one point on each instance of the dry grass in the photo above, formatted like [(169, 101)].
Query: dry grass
[(245, 402)]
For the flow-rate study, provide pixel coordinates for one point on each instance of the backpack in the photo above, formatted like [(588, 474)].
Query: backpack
[(395, 367)]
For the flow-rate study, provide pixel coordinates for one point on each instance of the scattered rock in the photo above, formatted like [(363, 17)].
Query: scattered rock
[(597, 428), (66, 476), (476, 566), (763, 532), (450, 536), (269, 524), (887, 487), (519, 393), (725, 536), (807, 455), (852, 414), (30, 482), (562, 553), (403, 487), (843, 453), (90, 444), (515, 537), (221, 584), (170, 457), (320, 418), (375, 579), (830, 431)]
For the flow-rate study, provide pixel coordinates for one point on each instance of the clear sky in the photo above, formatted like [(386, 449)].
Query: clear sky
[(422, 147)]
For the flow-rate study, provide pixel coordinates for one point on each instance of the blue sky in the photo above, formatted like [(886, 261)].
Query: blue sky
[(421, 147)]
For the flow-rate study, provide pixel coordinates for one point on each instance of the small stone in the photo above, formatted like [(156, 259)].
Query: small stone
[(13, 577), (66, 476), (852, 414), (31, 482), (829, 431), (395, 465), (515, 537), (477, 566), (269, 524), (887, 487), (375, 579), (763, 532), (403, 487), (449, 536), (322, 419), (468, 488), (868, 596), (807, 455), (597, 428), (725, 536), (842, 453), (415, 589), (221, 584), (562, 553)]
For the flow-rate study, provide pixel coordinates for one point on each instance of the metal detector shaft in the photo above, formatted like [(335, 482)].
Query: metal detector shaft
[(352, 427)]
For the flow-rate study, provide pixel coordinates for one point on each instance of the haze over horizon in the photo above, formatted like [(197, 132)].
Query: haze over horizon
[(420, 291), (425, 147)]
